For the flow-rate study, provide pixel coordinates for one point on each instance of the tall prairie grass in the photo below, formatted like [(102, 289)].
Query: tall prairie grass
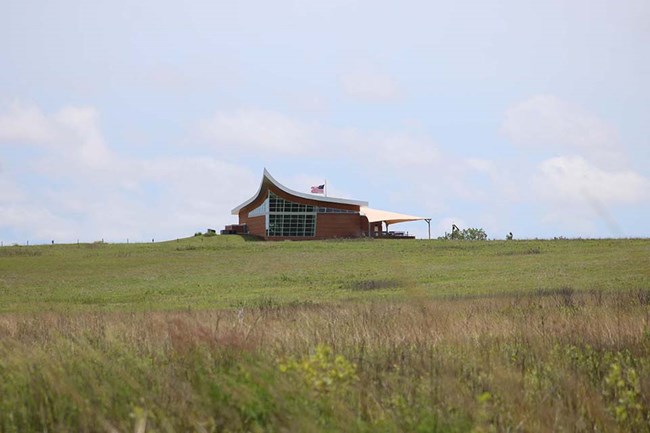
[(552, 360)]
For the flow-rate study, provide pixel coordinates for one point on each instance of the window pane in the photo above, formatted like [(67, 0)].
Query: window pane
[(287, 218)]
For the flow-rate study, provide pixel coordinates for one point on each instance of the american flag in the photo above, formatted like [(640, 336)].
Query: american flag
[(319, 189)]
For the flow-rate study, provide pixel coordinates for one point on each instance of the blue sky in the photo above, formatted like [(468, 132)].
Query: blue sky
[(148, 119)]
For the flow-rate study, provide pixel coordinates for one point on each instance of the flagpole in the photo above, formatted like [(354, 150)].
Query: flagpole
[(325, 187)]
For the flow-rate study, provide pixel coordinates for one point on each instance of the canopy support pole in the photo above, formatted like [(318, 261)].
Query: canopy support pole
[(428, 220)]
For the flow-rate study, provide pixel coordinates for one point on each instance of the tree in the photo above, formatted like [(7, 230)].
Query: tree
[(470, 234)]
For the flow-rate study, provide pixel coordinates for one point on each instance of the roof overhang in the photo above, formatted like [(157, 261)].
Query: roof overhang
[(376, 215), (268, 180)]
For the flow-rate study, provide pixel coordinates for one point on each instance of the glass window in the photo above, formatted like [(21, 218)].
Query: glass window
[(260, 210), (335, 210), (286, 218)]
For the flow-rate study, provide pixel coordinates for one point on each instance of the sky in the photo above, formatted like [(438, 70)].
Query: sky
[(153, 119)]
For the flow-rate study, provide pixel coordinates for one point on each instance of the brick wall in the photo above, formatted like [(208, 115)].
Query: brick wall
[(256, 225)]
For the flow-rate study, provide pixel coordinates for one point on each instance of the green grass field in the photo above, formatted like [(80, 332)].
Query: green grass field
[(227, 271), (213, 334)]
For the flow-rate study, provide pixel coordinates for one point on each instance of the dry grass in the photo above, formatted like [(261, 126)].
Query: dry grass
[(550, 361)]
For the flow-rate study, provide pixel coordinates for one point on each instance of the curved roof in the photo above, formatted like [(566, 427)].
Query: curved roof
[(267, 179), (376, 215)]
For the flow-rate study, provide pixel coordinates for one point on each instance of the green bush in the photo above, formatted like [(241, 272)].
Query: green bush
[(323, 371), (470, 234)]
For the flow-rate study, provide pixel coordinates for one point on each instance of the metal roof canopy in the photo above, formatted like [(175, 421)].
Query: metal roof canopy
[(376, 215)]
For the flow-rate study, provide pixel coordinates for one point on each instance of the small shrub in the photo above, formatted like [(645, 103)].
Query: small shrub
[(323, 372), (623, 390), (470, 234)]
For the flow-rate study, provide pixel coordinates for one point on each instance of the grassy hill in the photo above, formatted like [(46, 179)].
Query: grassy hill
[(227, 271), (221, 334)]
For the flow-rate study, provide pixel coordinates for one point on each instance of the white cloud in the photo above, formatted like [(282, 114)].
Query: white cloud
[(482, 165), (576, 194), (34, 221), (406, 150), (72, 133), (572, 179), (583, 182), (166, 198), (274, 135), (21, 123), (81, 135), (259, 131), (546, 122), (203, 188), (86, 191), (370, 85), (390, 149), (9, 191)]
